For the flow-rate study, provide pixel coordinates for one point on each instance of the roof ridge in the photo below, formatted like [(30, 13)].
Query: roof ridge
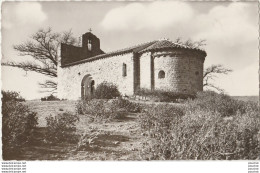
[(162, 39), (167, 43), (131, 47), (180, 44), (120, 51)]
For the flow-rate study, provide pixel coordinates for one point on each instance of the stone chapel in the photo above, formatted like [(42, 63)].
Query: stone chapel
[(156, 65)]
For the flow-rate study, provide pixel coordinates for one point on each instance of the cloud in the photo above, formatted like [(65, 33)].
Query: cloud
[(232, 37), (230, 30), (22, 14), (231, 33), (156, 15), (228, 25)]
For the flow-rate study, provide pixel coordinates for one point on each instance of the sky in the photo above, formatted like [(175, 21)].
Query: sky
[(229, 28)]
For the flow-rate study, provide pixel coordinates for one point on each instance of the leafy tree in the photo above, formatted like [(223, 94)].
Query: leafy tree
[(213, 72), (43, 48)]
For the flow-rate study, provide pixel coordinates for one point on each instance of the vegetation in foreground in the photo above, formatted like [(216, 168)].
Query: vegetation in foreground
[(210, 127), (18, 124), (106, 110), (163, 96)]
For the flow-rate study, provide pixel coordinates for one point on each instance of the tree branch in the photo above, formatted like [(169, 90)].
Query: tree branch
[(27, 66), (48, 84), (211, 73), (43, 47), (192, 44), (216, 69)]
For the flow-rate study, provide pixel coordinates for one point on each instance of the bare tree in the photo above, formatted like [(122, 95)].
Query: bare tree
[(211, 73), (192, 44), (43, 47)]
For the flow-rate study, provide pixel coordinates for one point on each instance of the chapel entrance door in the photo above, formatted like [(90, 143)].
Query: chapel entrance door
[(87, 87)]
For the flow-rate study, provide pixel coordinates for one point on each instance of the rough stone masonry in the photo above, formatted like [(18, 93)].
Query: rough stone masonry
[(156, 65)]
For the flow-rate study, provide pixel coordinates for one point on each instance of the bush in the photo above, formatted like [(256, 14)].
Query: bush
[(163, 96), (87, 139), (201, 134), (61, 128), (81, 107), (50, 98), (127, 105), (106, 90), (18, 125), (216, 103), (11, 96), (205, 137), (100, 110), (159, 118)]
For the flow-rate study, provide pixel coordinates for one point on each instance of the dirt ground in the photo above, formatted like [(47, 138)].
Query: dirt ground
[(117, 140)]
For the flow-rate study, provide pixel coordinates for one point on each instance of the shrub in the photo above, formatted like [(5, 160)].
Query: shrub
[(81, 107), (201, 133), (158, 118), (163, 96), (106, 90), (50, 98), (18, 125), (100, 110), (216, 103), (11, 96), (205, 137), (127, 105), (61, 128), (87, 139)]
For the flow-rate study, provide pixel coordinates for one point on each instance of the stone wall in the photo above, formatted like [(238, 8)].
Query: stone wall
[(183, 71), (145, 71), (107, 69)]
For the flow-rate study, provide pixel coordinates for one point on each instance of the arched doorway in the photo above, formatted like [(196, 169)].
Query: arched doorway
[(92, 84), (87, 87)]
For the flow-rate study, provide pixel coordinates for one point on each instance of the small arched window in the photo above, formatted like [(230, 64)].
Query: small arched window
[(197, 73), (89, 45), (124, 70), (161, 74)]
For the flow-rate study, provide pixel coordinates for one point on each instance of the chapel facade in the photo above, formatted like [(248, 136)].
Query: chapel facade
[(156, 65)]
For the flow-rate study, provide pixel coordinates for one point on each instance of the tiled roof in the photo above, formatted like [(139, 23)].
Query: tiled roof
[(162, 44), (135, 48), (141, 48)]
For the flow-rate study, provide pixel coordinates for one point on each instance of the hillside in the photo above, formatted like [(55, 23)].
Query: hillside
[(247, 98)]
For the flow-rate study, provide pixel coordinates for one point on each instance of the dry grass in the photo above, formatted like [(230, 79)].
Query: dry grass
[(117, 140), (46, 108), (211, 127), (247, 98), (122, 139)]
